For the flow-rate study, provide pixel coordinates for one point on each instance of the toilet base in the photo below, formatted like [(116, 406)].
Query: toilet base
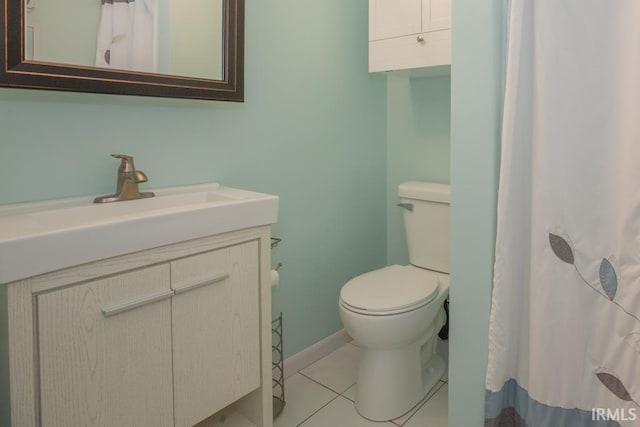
[(391, 382)]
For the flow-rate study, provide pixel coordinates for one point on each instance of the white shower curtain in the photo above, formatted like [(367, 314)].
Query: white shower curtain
[(564, 336), (128, 35)]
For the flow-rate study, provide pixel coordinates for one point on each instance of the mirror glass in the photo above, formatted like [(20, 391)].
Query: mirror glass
[(168, 37)]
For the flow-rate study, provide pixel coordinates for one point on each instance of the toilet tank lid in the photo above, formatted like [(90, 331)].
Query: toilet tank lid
[(428, 191)]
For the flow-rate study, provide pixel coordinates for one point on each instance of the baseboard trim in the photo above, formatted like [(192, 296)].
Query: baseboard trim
[(314, 352)]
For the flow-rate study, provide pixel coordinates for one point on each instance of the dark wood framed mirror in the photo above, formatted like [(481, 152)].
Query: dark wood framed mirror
[(22, 65)]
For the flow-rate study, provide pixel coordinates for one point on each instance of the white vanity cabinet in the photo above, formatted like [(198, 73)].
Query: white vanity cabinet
[(172, 336), (406, 34)]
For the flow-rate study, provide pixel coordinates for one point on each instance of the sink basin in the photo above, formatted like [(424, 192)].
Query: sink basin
[(96, 213), (37, 238)]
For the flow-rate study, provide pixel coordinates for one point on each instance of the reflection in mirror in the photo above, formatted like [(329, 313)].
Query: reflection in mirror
[(30, 45), (172, 37)]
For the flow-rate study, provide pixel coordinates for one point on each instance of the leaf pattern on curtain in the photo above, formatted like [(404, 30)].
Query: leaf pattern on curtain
[(561, 248), (614, 385), (609, 283), (608, 278), (607, 273)]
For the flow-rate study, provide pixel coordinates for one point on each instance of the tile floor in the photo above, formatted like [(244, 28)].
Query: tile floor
[(322, 395)]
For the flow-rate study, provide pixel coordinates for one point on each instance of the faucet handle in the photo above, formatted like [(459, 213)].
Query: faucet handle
[(126, 164), (139, 176)]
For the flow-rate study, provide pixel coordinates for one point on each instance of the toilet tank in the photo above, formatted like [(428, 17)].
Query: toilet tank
[(427, 223)]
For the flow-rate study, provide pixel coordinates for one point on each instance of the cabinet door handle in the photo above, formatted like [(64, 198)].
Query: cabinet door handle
[(215, 278), (419, 39), (130, 305), (407, 206)]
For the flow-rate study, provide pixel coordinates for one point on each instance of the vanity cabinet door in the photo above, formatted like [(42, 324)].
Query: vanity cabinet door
[(216, 342), (105, 352)]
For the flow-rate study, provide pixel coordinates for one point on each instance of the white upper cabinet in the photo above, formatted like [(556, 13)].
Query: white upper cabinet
[(405, 34), (439, 16), (394, 18)]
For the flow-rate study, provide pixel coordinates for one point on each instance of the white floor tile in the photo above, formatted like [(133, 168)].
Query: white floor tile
[(303, 397), (340, 413), (338, 370), (350, 393), (403, 419), (434, 412)]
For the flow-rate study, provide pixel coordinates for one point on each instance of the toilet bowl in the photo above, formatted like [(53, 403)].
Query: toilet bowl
[(394, 313), (397, 337)]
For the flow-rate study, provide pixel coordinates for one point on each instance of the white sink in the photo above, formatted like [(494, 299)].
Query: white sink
[(37, 238)]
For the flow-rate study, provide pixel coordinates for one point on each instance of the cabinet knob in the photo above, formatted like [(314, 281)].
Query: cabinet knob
[(420, 39)]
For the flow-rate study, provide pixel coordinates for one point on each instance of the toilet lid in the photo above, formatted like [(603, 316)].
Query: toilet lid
[(392, 288)]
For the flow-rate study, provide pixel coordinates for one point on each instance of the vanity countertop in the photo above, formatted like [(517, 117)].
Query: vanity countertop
[(40, 237)]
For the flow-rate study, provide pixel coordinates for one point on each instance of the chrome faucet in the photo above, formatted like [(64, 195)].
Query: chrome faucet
[(128, 180)]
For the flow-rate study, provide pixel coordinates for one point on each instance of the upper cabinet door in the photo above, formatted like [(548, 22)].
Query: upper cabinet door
[(394, 18), (440, 15)]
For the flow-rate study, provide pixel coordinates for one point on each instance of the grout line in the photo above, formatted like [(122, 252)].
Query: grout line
[(348, 398), (327, 387), (435, 391), (317, 410)]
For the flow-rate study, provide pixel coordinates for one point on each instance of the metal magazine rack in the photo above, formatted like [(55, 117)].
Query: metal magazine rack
[(277, 355), (277, 362)]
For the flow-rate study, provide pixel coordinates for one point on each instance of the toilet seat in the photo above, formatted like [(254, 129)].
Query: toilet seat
[(391, 290)]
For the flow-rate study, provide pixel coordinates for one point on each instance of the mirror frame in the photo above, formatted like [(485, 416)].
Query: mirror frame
[(17, 72)]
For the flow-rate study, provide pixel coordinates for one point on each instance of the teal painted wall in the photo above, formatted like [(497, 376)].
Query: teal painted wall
[(475, 140), (312, 130), (418, 145)]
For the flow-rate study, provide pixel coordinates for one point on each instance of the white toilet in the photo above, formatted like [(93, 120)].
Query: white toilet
[(394, 314)]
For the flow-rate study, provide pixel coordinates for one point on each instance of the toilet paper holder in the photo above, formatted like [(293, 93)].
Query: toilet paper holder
[(275, 242)]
